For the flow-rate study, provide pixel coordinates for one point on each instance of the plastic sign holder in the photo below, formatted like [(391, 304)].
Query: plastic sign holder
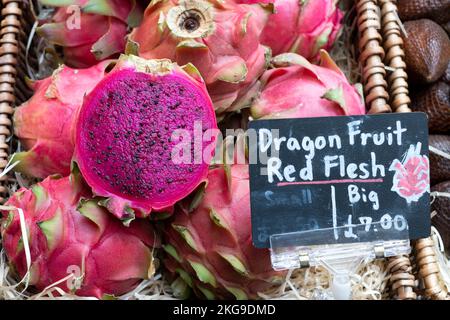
[(341, 260)]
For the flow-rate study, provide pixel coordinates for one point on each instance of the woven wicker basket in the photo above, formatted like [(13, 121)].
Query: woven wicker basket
[(385, 88)]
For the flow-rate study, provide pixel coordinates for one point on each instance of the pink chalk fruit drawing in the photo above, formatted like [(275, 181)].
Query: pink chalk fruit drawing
[(412, 174)]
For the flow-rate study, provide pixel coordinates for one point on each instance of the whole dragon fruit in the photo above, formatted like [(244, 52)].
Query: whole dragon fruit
[(299, 89), (145, 136), (44, 124), (303, 27), (220, 38), (68, 234), (91, 30), (210, 250)]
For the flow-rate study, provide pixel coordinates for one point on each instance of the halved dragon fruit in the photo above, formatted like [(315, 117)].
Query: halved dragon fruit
[(295, 88), (45, 123), (139, 139)]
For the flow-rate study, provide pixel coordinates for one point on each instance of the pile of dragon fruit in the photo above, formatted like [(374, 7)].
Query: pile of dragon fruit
[(99, 136)]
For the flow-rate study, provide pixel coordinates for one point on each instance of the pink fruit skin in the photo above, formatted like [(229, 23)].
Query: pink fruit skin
[(107, 153), (306, 90), (303, 27), (94, 33), (44, 124), (254, 1), (219, 226), (65, 237), (230, 58)]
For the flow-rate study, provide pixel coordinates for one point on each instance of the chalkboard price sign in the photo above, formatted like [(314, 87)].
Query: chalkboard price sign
[(364, 178)]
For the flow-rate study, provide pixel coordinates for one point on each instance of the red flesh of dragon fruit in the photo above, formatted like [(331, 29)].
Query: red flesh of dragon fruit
[(299, 89), (124, 144), (44, 124), (94, 32), (210, 249), (67, 234), (220, 38), (302, 26)]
